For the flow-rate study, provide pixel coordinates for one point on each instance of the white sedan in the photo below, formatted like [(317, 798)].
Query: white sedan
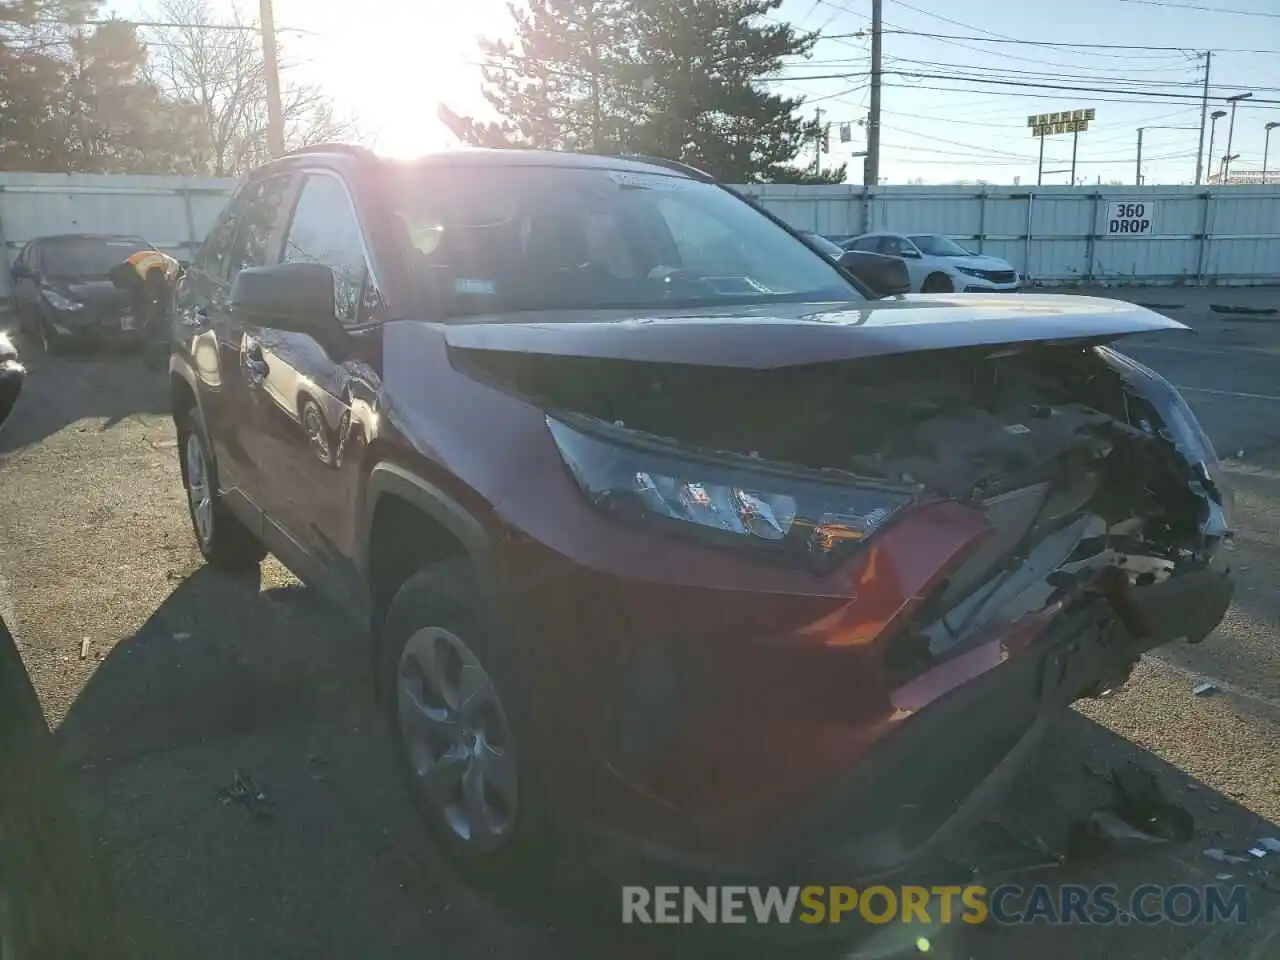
[(939, 265)]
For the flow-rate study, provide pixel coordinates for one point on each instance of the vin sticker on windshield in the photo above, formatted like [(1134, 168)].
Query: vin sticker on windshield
[(481, 287), (642, 181)]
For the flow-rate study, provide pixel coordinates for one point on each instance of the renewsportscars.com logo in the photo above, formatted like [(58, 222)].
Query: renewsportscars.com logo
[(1009, 904)]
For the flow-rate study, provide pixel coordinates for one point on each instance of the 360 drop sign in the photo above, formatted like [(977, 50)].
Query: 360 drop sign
[(1129, 218)]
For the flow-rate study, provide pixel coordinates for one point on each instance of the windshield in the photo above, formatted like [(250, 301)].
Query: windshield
[(932, 245), (500, 239), (83, 258)]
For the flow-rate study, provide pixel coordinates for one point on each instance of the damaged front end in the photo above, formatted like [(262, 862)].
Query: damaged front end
[(1093, 476), (990, 534)]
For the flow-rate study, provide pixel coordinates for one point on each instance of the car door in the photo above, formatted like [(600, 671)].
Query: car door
[(304, 398), (240, 238)]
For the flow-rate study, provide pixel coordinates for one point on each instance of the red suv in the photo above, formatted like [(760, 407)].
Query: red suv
[(664, 532)]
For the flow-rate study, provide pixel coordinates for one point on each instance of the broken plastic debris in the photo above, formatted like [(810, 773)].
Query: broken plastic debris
[(1223, 876), (84, 648), (1271, 843), (182, 635), (243, 790), (1203, 689), (1257, 852)]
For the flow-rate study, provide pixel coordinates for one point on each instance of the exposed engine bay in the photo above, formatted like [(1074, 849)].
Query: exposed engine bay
[(1091, 478)]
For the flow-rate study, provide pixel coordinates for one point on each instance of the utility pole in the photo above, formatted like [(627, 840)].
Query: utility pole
[(271, 64), (817, 145), (1075, 142), (1040, 165), (1266, 147), (1204, 115), (1137, 176), (871, 167)]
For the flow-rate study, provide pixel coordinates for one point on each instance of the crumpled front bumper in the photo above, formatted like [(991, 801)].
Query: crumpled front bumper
[(893, 814)]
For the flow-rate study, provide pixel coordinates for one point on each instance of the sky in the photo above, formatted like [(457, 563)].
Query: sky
[(390, 62)]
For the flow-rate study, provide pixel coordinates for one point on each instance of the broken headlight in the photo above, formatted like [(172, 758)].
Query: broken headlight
[(1178, 425), (788, 516)]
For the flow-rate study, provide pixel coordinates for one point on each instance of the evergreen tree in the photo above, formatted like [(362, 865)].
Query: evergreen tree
[(709, 104), (682, 79), (562, 84)]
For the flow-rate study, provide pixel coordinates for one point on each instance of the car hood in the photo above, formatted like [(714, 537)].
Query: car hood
[(766, 337)]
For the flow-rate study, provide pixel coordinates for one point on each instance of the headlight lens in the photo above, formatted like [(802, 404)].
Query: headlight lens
[(59, 302), (1182, 428), (972, 271), (793, 519)]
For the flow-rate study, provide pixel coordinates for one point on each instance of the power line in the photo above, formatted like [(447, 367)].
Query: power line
[(1044, 75), (165, 25), (1069, 89), (1064, 44), (1154, 98), (1192, 6)]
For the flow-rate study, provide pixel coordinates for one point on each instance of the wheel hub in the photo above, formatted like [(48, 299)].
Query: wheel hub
[(456, 738)]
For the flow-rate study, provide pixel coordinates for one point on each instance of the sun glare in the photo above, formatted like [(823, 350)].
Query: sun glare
[(390, 63)]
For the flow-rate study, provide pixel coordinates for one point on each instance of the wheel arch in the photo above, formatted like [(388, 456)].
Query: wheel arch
[(430, 526)]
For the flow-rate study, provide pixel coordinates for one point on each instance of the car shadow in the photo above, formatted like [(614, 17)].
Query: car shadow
[(235, 757), (108, 386)]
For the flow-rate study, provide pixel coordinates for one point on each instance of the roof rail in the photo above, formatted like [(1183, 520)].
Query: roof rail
[(675, 165), (350, 149)]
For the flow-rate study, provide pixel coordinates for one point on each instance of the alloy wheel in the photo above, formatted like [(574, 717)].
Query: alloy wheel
[(457, 739), (199, 488), (313, 423)]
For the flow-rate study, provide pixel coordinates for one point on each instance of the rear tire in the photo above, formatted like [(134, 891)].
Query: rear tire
[(937, 283), (224, 541)]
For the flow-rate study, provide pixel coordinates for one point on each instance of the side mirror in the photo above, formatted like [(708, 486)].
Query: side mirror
[(12, 375), (20, 271), (289, 296)]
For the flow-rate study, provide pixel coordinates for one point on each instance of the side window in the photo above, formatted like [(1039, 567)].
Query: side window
[(891, 245), (869, 244), (213, 254), (325, 230), (256, 214)]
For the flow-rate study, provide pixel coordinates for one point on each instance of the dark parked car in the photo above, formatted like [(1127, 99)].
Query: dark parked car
[(62, 290), (666, 535)]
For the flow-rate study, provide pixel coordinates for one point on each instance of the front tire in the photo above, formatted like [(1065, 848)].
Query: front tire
[(455, 708), (937, 283), (224, 541)]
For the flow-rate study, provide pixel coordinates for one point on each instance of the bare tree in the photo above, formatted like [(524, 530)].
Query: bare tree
[(220, 73)]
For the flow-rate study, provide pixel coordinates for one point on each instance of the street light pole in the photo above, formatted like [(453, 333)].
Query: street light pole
[(1137, 174), (271, 67), (1266, 147), (1231, 129), (1213, 129)]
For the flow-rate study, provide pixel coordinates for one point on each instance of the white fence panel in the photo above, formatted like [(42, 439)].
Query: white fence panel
[(174, 213), (1065, 235)]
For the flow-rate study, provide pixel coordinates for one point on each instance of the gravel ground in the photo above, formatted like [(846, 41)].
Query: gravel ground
[(191, 676)]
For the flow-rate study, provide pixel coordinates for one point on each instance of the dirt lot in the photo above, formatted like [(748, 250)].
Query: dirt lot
[(191, 676)]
